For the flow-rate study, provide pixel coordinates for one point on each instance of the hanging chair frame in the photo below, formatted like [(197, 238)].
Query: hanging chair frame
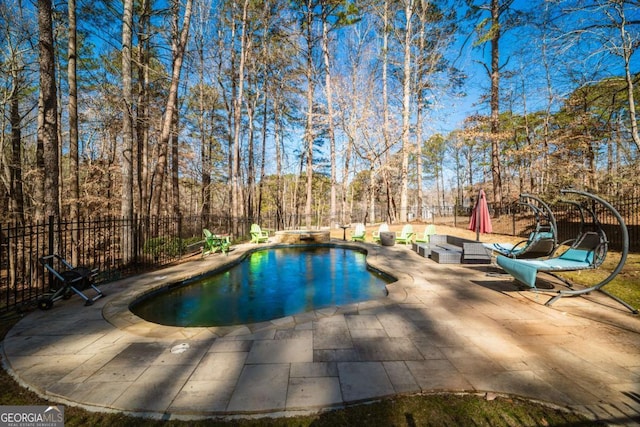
[(535, 246), (623, 258)]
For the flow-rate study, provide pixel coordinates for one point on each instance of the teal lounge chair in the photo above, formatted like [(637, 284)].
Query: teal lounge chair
[(383, 228), (214, 243), (359, 234), (588, 251), (406, 235), (542, 242), (258, 235), (429, 231)]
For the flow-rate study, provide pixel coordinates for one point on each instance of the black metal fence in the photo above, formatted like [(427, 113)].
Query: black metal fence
[(117, 247), (120, 247)]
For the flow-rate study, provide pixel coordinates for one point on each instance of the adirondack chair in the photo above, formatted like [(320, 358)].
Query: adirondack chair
[(359, 234), (406, 235), (429, 231), (214, 243), (383, 228), (258, 235)]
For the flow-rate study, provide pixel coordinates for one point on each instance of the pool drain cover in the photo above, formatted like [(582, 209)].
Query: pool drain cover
[(180, 348)]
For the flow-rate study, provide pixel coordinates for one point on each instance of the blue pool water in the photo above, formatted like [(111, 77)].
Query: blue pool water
[(267, 285)]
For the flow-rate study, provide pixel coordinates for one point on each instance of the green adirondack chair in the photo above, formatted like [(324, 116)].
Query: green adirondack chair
[(258, 235), (429, 231), (214, 243), (406, 235), (383, 228), (359, 233)]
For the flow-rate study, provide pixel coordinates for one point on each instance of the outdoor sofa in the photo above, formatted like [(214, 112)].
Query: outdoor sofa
[(446, 249)]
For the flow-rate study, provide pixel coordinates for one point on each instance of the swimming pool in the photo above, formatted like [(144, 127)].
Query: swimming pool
[(268, 284)]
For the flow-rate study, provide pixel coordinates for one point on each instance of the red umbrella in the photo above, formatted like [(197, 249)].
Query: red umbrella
[(480, 217)]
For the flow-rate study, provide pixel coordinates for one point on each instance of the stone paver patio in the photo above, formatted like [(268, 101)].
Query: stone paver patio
[(442, 328)]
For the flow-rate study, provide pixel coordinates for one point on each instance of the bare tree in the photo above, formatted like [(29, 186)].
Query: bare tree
[(237, 114), (355, 89), (175, 165), (48, 111), (495, 33), (629, 43), (179, 45), (326, 12), (127, 133), (142, 119), (74, 186), (203, 8), (15, 163), (491, 30), (409, 6), (17, 36), (386, 132), (308, 21)]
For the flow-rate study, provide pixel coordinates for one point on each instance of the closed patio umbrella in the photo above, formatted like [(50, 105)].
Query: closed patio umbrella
[(480, 218)]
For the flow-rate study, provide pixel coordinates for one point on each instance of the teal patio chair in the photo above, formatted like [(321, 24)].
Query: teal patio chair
[(542, 241), (588, 251), (539, 244)]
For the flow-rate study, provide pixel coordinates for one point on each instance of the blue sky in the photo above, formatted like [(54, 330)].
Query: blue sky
[(520, 51)]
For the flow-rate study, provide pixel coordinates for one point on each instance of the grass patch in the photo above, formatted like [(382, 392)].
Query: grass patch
[(625, 285)]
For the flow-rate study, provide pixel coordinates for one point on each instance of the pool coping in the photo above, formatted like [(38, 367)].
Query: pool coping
[(117, 312)]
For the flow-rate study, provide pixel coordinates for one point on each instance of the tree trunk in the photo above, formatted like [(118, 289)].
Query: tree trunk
[(205, 146), (175, 165), (345, 181), (15, 166), (126, 207), (48, 111), (276, 138), (237, 116), (390, 214), (495, 103), (142, 110), (406, 112), (250, 157), (38, 179), (74, 185), (627, 51), (543, 180), (308, 133), (178, 48), (263, 160), (419, 108), (371, 199), (332, 139)]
